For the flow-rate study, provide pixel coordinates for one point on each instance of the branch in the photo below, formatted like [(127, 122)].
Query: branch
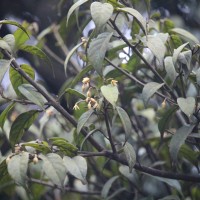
[(136, 80), (51, 100), (68, 189), (133, 47), (156, 172)]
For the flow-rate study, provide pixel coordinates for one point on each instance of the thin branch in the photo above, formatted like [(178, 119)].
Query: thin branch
[(136, 80), (156, 172), (133, 47), (109, 132), (51, 100), (68, 189), (64, 48)]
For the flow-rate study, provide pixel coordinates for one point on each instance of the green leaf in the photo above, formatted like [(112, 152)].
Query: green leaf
[(83, 119), (170, 69), (77, 166), (20, 125), (107, 186), (74, 7), (178, 139), (39, 146), (4, 65), (170, 197), (186, 35), (54, 168), (32, 94), (4, 114), (130, 155), (75, 92), (101, 13), (141, 21), (34, 50), (177, 52), (173, 183), (64, 146), (157, 45), (164, 121), (125, 120), (4, 45), (97, 50), (17, 79), (111, 93), (15, 24), (4, 175), (185, 57), (149, 90), (17, 167), (20, 36), (187, 105), (10, 39), (69, 55)]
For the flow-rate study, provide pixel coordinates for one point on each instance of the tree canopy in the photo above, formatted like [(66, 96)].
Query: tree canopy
[(103, 105)]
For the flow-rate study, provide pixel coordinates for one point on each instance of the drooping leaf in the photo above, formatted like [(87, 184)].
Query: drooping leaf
[(17, 167), (4, 65), (111, 93), (83, 119), (130, 155), (69, 55), (10, 39), (125, 120), (177, 52), (20, 125), (77, 166), (187, 105), (74, 7), (149, 90), (178, 139), (171, 182), (21, 37), (167, 116), (107, 186), (157, 45), (5, 113), (64, 146), (34, 50), (97, 50), (170, 69), (17, 80), (101, 13), (5, 21), (185, 57), (54, 168), (140, 19), (32, 94), (75, 92), (186, 35)]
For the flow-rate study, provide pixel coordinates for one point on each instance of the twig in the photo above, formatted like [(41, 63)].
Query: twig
[(136, 80), (51, 100), (68, 189), (133, 47), (109, 132)]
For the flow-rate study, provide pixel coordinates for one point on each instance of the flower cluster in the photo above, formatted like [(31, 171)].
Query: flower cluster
[(92, 103)]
